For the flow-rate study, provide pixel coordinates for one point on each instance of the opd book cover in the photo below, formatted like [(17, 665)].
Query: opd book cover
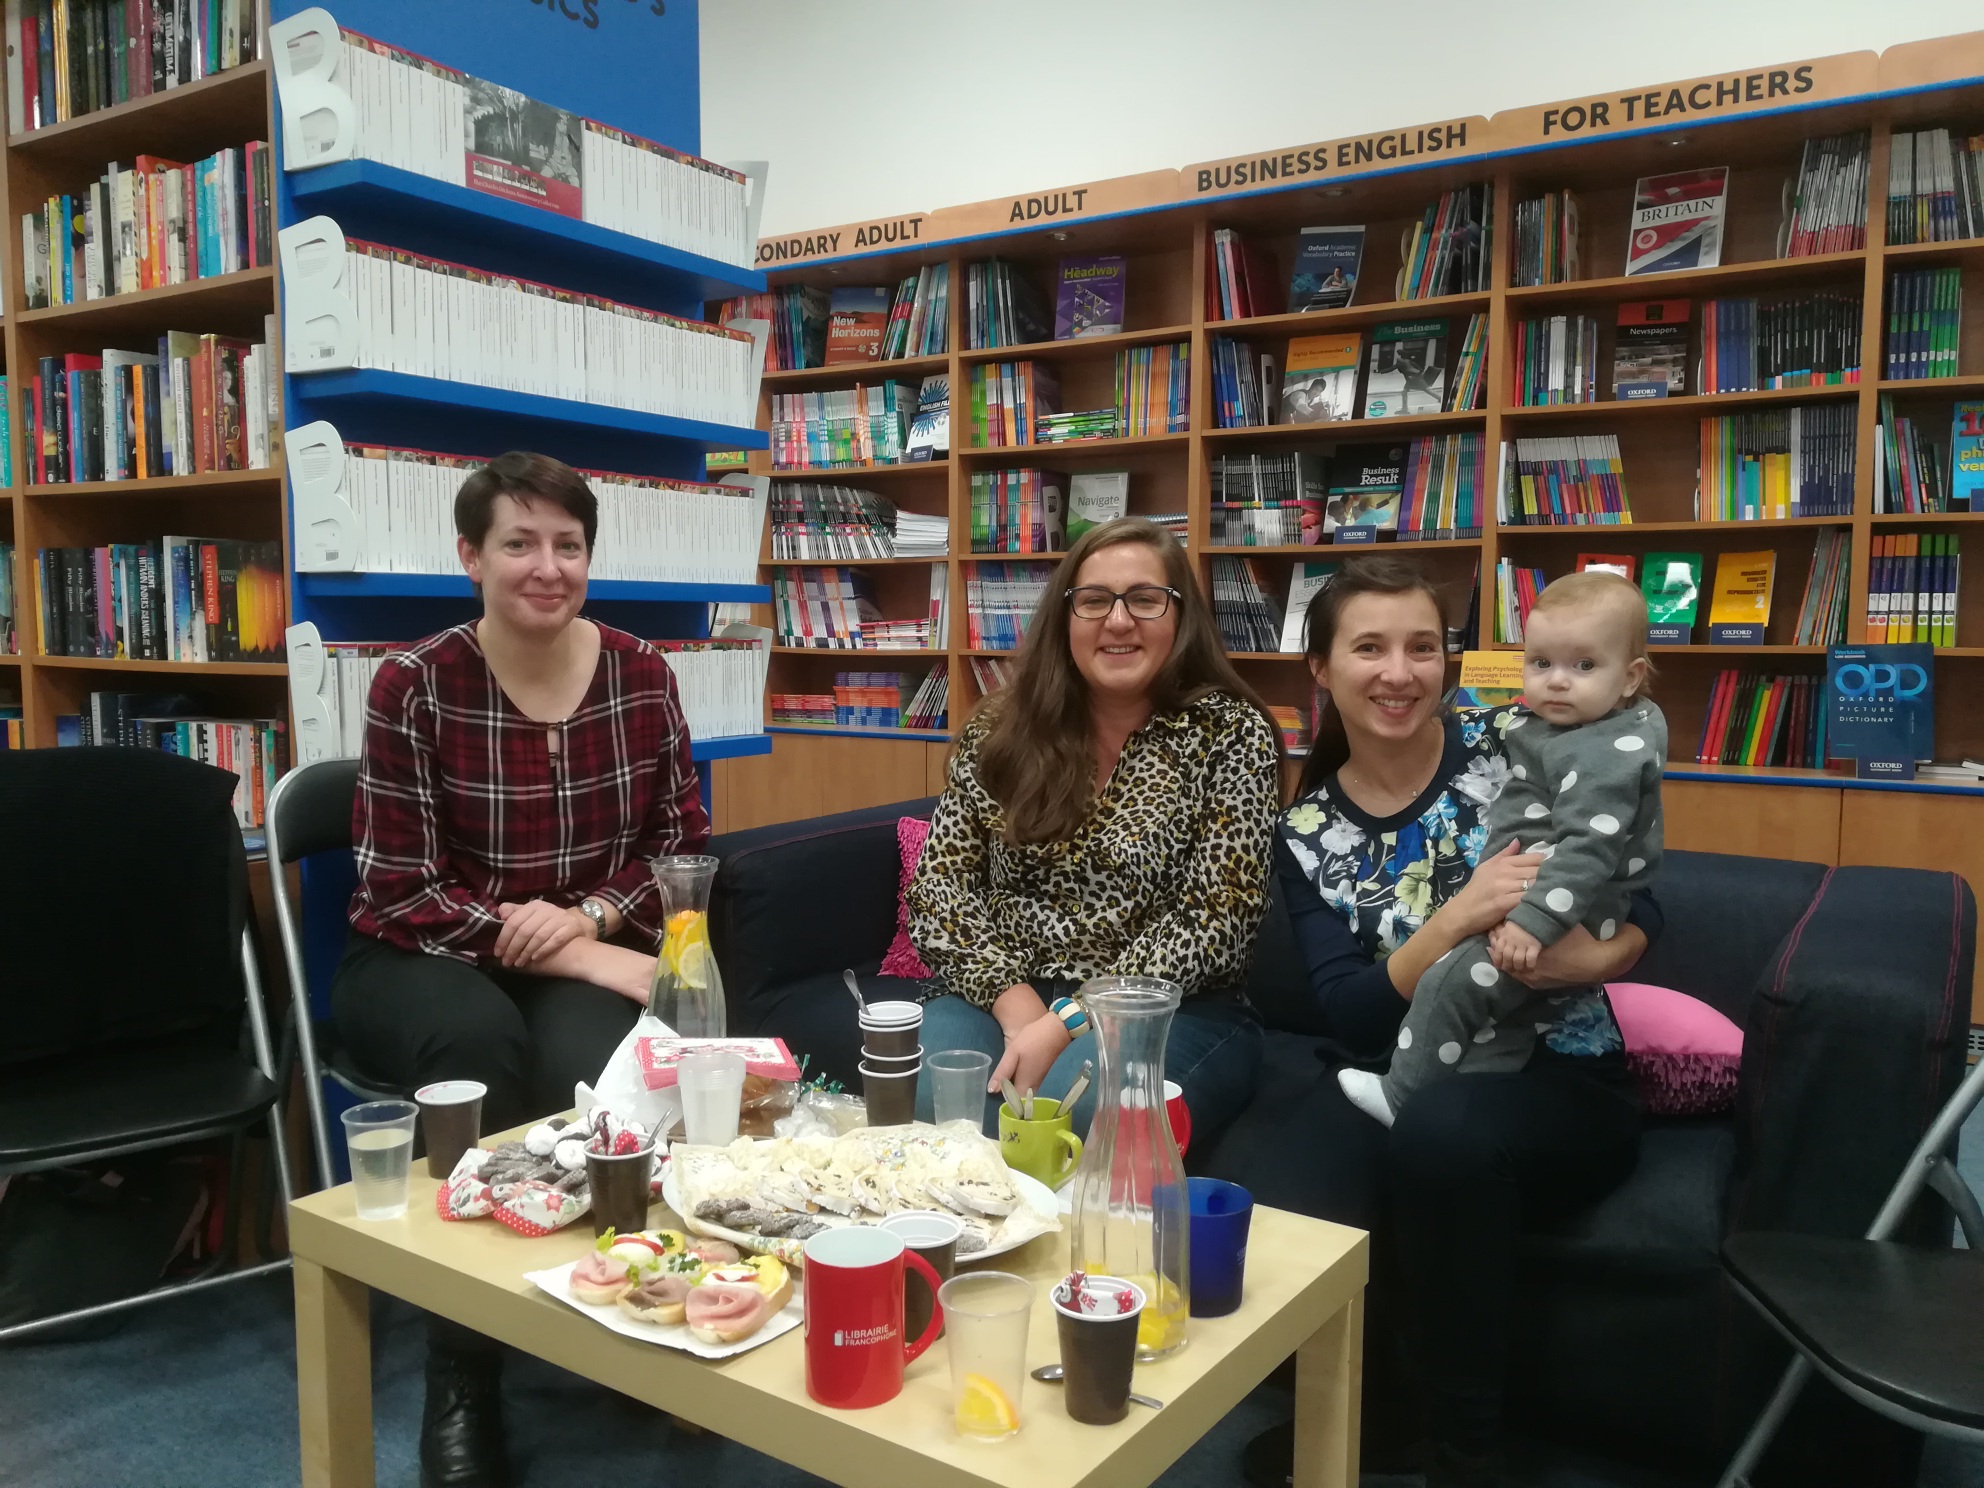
[(1881, 706), (1088, 300), (1327, 261), (1677, 221)]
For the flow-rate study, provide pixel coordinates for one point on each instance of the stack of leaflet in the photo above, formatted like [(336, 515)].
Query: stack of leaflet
[(1574, 480), (920, 536), (1556, 360), (920, 318), (1008, 399), (1000, 600), (1243, 385), (1935, 187), (1242, 601), (1546, 247), (811, 522), (1450, 249), (843, 428), (1829, 207), (1793, 341), (1002, 307), (1154, 389), (1925, 323), (1778, 463), (1446, 476)]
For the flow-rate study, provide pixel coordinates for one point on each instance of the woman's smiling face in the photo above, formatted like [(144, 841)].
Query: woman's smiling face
[(1387, 667)]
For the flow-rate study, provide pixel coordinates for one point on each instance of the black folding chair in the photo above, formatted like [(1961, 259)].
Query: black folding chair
[(1899, 1328), (309, 816), (131, 1014)]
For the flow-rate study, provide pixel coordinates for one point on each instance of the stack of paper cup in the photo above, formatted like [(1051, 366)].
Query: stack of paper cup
[(891, 1056)]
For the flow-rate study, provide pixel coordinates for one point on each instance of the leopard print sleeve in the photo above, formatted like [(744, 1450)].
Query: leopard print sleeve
[(1204, 939)]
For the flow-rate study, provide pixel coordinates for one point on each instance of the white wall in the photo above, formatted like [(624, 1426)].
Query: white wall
[(861, 105)]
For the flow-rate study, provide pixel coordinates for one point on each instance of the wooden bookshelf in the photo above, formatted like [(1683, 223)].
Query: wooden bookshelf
[(185, 123)]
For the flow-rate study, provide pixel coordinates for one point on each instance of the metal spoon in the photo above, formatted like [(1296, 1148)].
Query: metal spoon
[(1054, 1374), (854, 989)]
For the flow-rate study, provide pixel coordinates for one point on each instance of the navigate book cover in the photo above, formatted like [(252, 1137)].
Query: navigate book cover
[(1677, 221)]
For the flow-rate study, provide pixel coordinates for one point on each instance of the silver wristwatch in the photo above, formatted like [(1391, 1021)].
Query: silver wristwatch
[(595, 911)]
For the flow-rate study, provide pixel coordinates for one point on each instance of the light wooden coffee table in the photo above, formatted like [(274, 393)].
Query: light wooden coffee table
[(1305, 1291)]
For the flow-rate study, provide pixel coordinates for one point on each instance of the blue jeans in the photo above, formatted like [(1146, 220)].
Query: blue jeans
[(1213, 1052)]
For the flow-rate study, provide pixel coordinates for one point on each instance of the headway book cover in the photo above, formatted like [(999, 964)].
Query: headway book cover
[(1881, 707), (523, 150), (1677, 221), (1089, 298)]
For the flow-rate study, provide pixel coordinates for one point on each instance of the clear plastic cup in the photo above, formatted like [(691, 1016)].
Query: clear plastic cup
[(379, 1135), (711, 1083), (985, 1318), (958, 1078)]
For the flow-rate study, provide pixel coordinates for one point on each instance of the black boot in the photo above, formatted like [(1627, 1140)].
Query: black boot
[(461, 1428), (1450, 1467)]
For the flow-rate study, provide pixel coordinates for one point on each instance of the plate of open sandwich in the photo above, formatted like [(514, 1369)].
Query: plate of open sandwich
[(768, 1196), (697, 1294)]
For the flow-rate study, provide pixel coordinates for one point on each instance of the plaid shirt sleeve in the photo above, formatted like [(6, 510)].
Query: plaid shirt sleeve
[(413, 900)]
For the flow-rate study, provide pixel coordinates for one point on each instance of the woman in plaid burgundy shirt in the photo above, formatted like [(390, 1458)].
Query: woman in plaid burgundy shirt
[(519, 772)]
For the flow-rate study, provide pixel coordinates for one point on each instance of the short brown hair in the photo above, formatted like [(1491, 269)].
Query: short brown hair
[(526, 478)]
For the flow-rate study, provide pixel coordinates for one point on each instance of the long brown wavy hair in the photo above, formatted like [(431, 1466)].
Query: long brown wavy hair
[(1359, 576), (1037, 761)]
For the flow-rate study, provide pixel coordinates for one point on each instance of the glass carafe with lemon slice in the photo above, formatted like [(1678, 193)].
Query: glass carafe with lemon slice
[(687, 993), (1130, 1215)]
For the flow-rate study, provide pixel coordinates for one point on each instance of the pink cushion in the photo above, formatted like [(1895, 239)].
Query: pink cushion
[(902, 961), (1684, 1052)]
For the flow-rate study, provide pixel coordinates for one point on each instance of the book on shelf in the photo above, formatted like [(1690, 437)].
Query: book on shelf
[(1000, 600), (1295, 725), (1154, 389), (1242, 281), (1622, 564), (857, 317), (1548, 231), (870, 700), (13, 727), (1366, 485), (1911, 473), (1935, 187), (719, 683), (254, 750), (1650, 350), (197, 404), (10, 636), (1912, 584), (1556, 360), (7, 438), (990, 673), (1776, 463), (1244, 385), (1470, 373), (1574, 480), (1002, 307), (1489, 679), (169, 599), (1080, 424), (1790, 341), (1883, 726), (1088, 296), (1822, 611), (1759, 719), (1304, 584), (1019, 511), (353, 304), (1408, 369), (1327, 263), (1243, 603), (1740, 600), (920, 316), (1677, 221), (1008, 398), (1268, 500), (1671, 584), (346, 96), (1319, 383), (1448, 251), (803, 709), (148, 225), (835, 609), (71, 59), (812, 523), (1827, 208), (1925, 323), (843, 428), (929, 435), (1966, 454), (1515, 595), (1095, 497), (797, 314), (1444, 487), (328, 685)]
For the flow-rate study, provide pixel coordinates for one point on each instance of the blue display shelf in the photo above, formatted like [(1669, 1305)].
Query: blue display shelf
[(433, 216), (363, 390), (734, 747), (456, 586)]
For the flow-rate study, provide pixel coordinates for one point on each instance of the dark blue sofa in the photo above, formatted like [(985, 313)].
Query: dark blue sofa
[(1852, 986)]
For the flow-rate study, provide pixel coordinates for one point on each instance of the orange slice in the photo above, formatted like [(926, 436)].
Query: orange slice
[(984, 1410)]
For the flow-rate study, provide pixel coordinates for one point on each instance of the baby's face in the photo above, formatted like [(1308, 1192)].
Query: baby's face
[(1577, 664)]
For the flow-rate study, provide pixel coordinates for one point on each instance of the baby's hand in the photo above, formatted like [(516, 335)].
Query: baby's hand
[(1513, 949)]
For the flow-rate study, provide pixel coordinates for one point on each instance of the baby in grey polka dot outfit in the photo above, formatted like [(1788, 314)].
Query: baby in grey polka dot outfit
[(1584, 791)]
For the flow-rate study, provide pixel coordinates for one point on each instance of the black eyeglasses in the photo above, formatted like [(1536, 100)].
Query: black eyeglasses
[(1144, 602)]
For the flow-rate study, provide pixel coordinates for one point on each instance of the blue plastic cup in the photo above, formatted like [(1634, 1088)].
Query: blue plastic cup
[(1221, 1212)]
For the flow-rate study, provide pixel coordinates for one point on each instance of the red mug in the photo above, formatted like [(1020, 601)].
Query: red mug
[(855, 1349), (1180, 1117)]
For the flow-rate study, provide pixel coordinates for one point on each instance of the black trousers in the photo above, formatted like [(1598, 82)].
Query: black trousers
[(411, 1018)]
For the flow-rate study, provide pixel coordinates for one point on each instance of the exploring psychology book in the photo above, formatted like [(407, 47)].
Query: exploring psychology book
[(1408, 369), (1489, 679), (856, 318), (1319, 383), (1088, 297), (1677, 221), (1881, 707), (1327, 262)]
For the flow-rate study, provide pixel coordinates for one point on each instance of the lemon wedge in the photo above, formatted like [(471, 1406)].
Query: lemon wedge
[(984, 1410)]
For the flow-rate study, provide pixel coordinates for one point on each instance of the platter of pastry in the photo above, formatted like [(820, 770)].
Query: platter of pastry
[(768, 1196), (699, 1295)]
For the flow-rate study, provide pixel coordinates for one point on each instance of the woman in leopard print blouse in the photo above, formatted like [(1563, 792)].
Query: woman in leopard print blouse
[(1111, 811)]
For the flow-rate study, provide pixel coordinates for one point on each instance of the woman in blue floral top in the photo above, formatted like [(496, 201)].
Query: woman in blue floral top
[(1380, 863)]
